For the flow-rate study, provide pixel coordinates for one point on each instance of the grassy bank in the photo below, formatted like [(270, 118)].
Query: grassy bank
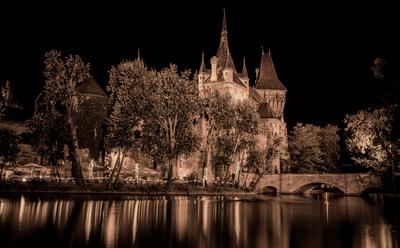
[(101, 188)]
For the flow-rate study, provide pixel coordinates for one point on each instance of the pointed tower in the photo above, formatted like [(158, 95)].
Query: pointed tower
[(224, 68), (244, 69), (203, 73), (224, 55), (244, 77), (269, 86), (271, 109), (223, 75)]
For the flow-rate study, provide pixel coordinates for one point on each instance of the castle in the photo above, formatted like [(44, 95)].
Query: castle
[(268, 93)]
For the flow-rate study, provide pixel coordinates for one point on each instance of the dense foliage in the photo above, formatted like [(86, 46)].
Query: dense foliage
[(172, 106), (125, 109), (313, 148), (59, 96), (368, 139)]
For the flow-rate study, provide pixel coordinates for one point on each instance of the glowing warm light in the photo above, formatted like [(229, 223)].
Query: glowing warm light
[(111, 227), (88, 220), (181, 213), (134, 222), (236, 210)]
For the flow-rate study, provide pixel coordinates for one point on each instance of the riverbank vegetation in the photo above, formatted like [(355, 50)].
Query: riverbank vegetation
[(43, 186)]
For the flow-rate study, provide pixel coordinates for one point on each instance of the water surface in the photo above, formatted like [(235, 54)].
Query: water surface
[(200, 221)]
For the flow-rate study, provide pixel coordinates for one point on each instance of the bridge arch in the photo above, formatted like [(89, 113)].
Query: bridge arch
[(292, 183), (371, 190), (270, 190), (318, 186)]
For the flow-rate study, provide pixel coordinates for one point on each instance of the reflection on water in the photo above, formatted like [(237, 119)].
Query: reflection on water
[(166, 221)]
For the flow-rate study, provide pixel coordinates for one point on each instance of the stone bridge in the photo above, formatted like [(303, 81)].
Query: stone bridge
[(348, 183)]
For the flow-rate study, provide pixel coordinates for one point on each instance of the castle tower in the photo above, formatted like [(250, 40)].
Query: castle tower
[(269, 86), (244, 77), (223, 75), (203, 74), (271, 108), (223, 54)]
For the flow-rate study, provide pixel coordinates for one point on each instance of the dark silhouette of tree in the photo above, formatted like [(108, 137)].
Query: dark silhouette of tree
[(330, 147), (49, 134), (313, 148), (373, 135), (62, 76), (8, 149)]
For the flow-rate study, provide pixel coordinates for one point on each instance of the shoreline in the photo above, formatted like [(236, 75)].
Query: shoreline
[(133, 193), (123, 189), (99, 189), (156, 193)]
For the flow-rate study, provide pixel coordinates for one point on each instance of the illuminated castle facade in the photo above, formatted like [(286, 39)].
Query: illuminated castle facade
[(268, 93)]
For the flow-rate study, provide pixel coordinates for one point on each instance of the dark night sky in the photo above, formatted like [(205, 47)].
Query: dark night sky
[(322, 53)]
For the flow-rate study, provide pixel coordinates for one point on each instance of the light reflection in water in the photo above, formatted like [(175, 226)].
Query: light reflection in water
[(202, 221), (111, 227)]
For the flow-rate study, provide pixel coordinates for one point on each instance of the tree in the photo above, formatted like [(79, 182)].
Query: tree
[(125, 107), (8, 148), (368, 139), (305, 148), (313, 148), (236, 139), (222, 156), (387, 77), (155, 145), (172, 104), (262, 158), (218, 114), (245, 127), (330, 147), (62, 76), (49, 134)]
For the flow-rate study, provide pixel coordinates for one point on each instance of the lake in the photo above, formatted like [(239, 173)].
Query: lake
[(198, 221)]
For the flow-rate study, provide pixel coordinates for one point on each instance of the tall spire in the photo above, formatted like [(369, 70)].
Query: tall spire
[(138, 54), (202, 65), (244, 69), (224, 32), (224, 56), (267, 77)]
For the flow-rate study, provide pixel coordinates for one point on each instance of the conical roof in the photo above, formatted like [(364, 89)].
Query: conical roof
[(267, 77), (202, 65), (224, 55), (244, 69), (90, 87)]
